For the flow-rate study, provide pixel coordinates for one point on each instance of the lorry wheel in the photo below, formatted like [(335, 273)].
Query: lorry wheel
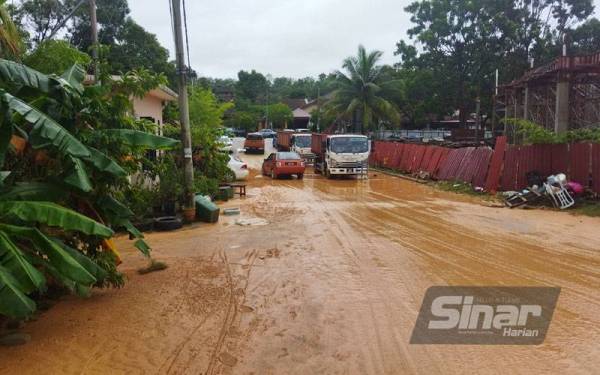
[(300, 176), (327, 174)]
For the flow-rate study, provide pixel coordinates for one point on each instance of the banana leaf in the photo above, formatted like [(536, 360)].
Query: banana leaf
[(76, 288), (143, 247), (112, 209), (75, 76), (21, 75), (136, 138), (95, 270), (13, 302), (46, 132), (3, 176), (53, 215), (78, 177), (34, 191), (58, 257), (68, 85), (13, 260), (104, 163)]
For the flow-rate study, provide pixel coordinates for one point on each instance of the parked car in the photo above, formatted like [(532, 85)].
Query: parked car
[(268, 133), (238, 167), (283, 164), (225, 144), (255, 142)]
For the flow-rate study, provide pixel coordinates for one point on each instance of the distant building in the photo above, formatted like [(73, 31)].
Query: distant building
[(150, 107)]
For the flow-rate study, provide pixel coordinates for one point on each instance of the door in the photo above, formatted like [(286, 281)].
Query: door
[(269, 163)]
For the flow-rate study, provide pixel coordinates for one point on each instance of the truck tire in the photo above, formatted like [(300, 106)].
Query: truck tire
[(327, 174), (300, 176), (273, 174)]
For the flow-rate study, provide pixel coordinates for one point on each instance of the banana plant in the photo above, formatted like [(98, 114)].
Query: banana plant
[(43, 237)]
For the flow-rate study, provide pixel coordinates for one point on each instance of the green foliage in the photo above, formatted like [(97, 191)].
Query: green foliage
[(55, 56), (10, 39), (247, 120), (54, 222), (251, 86), (206, 119), (170, 187), (531, 133), (364, 91), (280, 115), (205, 185)]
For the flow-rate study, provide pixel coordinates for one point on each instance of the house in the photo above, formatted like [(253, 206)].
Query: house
[(301, 116), (150, 107)]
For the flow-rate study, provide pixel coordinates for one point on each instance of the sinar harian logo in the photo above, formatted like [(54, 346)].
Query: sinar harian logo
[(485, 315)]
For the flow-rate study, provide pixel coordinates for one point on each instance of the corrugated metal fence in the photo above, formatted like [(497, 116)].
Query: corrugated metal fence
[(504, 168)]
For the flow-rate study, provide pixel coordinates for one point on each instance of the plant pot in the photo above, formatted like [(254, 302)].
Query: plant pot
[(189, 215)]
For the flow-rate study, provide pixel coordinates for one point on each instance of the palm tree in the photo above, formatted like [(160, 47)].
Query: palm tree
[(363, 91), (10, 40)]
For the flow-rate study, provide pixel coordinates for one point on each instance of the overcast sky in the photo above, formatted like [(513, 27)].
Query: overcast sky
[(293, 38)]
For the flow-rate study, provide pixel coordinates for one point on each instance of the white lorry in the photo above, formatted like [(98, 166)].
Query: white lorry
[(341, 154)]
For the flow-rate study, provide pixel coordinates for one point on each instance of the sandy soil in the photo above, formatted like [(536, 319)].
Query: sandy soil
[(329, 281)]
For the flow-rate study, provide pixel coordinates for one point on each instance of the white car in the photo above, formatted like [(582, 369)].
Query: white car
[(238, 167), (225, 144)]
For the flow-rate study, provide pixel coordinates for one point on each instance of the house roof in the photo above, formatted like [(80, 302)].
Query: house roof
[(162, 92), (294, 103), (300, 113)]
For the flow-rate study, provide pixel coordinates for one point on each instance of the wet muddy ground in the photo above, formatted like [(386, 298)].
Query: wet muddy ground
[(328, 281)]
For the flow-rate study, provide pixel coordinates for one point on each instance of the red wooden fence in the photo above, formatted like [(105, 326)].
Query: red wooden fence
[(506, 167)]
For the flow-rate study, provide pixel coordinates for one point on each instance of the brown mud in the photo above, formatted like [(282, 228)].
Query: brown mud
[(332, 284)]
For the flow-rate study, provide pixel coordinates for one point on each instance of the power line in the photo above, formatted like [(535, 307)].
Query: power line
[(187, 38)]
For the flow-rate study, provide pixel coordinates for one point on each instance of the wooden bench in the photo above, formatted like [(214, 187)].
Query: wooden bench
[(241, 189)]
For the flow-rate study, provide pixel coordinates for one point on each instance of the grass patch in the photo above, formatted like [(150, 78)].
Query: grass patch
[(588, 209)]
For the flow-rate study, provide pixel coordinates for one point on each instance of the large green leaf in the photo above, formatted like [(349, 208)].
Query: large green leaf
[(46, 132), (136, 138), (67, 86), (53, 215), (58, 257), (34, 191), (22, 75), (75, 76), (13, 302), (13, 259), (78, 177), (104, 163), (95, 270)]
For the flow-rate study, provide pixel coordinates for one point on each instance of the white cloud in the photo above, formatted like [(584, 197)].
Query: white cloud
[(282, 38)]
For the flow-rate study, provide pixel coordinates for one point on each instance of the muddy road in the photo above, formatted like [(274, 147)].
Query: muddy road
[(327, 277)]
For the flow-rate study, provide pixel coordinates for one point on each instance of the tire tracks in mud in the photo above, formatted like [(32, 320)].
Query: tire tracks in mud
[(175, 360), (232, 308)]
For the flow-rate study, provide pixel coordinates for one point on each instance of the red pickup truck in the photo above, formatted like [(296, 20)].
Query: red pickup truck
[(255, 142)]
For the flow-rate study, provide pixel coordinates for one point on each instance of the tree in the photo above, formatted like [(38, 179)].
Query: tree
[(464, 42), (280, 115), (10, 40), (133, 47), (251, 86), (362, 90), (55, 56), (206, 120), (41, 17), (111, 15)]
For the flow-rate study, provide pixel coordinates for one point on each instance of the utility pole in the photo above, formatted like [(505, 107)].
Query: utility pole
[(184, 111), (478, 119), (318, 109), (94, 37)]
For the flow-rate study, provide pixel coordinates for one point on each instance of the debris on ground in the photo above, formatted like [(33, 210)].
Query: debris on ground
[(555, 189), (14, 339), (154, 266), (231, 211), (251, 222)]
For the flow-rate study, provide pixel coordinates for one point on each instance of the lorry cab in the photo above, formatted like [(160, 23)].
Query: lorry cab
[(301, 143), (341, 154)]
